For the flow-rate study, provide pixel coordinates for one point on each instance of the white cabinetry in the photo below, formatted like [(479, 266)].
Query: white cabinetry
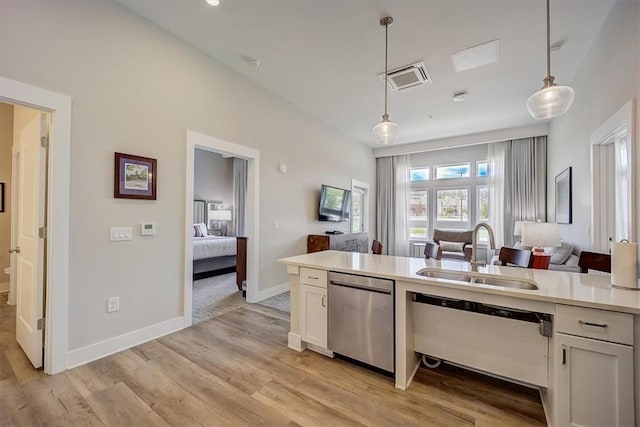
[(313, 307), (594, 378)]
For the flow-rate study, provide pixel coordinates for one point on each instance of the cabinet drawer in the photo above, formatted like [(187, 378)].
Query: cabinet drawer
[(313, 277), (592, 323)]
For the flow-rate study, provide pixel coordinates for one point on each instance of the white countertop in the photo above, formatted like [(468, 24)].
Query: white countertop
[(587, 290)]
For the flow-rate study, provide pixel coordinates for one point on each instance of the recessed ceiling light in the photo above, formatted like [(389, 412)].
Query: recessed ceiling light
[(213, 2)]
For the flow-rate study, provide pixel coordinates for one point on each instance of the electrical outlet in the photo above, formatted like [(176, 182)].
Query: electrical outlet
[(113, 304)]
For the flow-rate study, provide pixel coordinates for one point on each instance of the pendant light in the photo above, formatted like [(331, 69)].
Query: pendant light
[(386, 131), (551, 101)]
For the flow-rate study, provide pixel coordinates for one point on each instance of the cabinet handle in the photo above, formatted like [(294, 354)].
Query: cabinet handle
[(16, 250), (313, 277), (564, 355), (324, 304), (597, 325)]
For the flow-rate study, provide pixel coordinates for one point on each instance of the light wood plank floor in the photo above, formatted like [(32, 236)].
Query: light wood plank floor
[(236, 370)]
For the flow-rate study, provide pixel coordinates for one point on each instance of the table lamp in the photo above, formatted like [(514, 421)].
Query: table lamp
[(539, 235)]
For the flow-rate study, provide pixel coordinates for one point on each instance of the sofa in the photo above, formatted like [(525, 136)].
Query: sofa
[(564, 258), (454, 244)]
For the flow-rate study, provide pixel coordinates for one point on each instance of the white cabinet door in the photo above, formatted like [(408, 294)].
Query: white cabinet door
[(594, 382), (313, 319)]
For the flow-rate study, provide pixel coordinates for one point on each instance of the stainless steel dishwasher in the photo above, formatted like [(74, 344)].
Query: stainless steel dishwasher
[(361, 322)]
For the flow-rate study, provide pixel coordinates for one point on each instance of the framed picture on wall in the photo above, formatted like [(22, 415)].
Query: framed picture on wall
[(135, 177), (564, 197)]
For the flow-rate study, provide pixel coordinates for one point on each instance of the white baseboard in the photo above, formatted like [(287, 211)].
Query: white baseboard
[(4, 288), (263, 294), (294, 342), (109, 346)]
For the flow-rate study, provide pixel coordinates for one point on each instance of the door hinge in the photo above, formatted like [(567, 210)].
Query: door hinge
[(42, 232), (44, 141), (40, 324)]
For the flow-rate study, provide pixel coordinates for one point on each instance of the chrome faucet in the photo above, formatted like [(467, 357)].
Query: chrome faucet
[(474, 244)]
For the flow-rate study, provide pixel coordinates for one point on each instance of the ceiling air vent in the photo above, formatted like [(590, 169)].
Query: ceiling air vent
[(407, 76)]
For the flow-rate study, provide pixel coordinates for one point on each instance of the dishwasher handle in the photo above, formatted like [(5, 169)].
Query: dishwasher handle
[(360, 286)]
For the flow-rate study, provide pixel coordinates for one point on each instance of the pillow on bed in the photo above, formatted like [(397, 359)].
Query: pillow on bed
[(200, 229)]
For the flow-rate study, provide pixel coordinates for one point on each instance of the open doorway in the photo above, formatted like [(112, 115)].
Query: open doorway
[(613, 195), (56, 271), (24, 136), (219, 233), (211, 215)]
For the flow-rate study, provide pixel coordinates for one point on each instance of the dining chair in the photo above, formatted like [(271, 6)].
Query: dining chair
[(432, 250), (519, 257), (376, 247), (594, 261)]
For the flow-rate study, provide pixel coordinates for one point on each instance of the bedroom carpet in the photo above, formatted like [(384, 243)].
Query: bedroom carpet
[(279, 302), (215, 296), (218, 295)]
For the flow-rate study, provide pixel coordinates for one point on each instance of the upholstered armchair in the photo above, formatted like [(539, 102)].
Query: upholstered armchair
[(454, 244)]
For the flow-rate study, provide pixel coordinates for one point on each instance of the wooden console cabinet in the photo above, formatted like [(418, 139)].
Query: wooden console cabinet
[(353, 242)]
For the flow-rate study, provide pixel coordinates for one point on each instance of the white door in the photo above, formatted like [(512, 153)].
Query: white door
[(594, 383), (30, 259)]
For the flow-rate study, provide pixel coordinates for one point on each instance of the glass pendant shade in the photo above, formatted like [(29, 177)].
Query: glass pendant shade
[(550, 102), (386, 131)]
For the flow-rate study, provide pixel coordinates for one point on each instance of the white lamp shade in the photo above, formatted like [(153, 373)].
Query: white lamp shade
[(540, 234), (385, 132), (517, 228), (550, 102), (220, 215)]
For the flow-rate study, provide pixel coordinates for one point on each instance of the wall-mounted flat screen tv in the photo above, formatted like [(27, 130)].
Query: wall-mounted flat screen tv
[(335, 204)]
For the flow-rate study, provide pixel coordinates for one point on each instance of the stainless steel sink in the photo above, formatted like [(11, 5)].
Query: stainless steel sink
[(506, 283), (480, 280), (439, 274)]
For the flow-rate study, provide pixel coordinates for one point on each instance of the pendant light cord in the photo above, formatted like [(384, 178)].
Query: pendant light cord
[(548, 42), (386, 73)]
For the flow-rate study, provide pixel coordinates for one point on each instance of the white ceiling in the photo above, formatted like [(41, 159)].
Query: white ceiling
[(324, 55)]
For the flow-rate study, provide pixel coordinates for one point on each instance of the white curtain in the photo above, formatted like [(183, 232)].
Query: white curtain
[(240, 196), (402, 167), (517, 185), (384, 203), (392, 202), (525, 189), (496, 190), (622, 179)]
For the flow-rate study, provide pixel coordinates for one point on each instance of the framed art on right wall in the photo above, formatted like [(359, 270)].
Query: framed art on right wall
[(564, 197)]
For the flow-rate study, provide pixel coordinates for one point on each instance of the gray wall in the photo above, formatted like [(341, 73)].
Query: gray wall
[(213, 177), (607, 79), (6, 141), (137, 89)]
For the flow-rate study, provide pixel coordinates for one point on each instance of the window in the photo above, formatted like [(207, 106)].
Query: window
[(419, 214), (483, 203), (420, 174), (482, 168), (459, 170), (359, 206), (453, 205)]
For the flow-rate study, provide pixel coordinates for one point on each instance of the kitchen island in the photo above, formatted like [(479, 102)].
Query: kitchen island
[(584, 364)]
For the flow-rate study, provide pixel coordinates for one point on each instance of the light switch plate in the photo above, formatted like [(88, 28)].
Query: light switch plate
[(117, 234)]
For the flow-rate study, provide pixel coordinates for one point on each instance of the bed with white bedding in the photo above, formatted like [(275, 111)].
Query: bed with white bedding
[(212, 255), (213, 247)]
